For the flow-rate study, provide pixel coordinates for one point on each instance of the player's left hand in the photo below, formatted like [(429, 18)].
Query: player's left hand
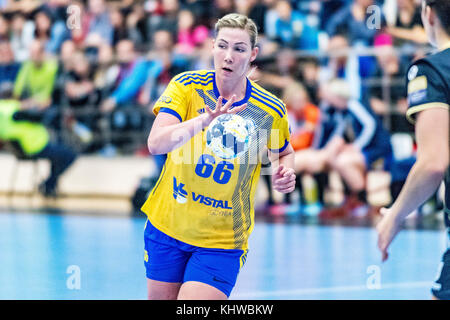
[(387, 229), (283, 179)]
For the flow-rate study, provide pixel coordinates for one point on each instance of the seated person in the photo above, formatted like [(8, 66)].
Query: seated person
[(8, 68), (368, 144), (303, 120), (22, 128), (35, 81)]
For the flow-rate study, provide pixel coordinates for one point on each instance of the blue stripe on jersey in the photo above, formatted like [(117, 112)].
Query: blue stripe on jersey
[(270, 106), (172, 112), (194, 76), (199, 82), (272, 99), (286, 143)]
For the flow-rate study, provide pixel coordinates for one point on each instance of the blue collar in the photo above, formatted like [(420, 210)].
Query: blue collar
[(248, 92)]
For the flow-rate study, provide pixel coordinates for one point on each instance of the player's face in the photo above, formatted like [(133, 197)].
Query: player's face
[(426, 23), (233, 53)]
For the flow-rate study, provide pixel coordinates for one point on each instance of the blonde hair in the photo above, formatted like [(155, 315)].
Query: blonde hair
[(238, 21)]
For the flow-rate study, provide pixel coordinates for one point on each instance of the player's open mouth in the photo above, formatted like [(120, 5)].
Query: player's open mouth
[(227, 69)]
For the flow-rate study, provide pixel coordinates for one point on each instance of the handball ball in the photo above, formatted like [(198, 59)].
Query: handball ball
[(228, 135)]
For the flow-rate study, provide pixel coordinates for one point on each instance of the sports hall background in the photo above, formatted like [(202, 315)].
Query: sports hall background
[(102, 66)]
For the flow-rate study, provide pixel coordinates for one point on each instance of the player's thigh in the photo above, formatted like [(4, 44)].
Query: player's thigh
[(194, 290), (217, 271), (350, 159), (309, 160), (165, 262), (159, 290)]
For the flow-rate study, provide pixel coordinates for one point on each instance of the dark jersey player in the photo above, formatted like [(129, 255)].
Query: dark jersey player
[(428, 82)]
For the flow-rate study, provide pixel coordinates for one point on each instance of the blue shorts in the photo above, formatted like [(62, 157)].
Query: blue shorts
[(169, 260)]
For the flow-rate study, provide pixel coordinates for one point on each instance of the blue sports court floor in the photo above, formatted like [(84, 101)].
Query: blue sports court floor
[(49, 256)]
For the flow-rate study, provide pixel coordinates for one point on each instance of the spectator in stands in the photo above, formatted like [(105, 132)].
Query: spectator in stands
[(303, 118), (388, 95), (8, 67), (94, 21), (82, 97), (136, 25), (106, 70), (189, 34), (122, 104), (310, 73), (277, 76), (31, 138), (293, 30), (4, 28), (35, 82), (351, 21), (346, 64), (408, 24), (368, 145), (171, 62), (22, 34), (167, 19), (49, 31), (118, 23), (132, 75)]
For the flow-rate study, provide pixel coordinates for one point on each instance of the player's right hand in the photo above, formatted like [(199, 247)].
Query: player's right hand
[(387, 229), (223, 108)]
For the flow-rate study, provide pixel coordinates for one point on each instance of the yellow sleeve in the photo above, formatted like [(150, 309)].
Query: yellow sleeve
[(279, 134), (174, 100)]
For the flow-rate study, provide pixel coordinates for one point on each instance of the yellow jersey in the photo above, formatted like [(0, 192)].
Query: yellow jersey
[(204, 195)]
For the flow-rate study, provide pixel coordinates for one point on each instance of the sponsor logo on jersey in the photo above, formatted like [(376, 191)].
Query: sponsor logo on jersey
[(208, 201), (179, 194), (165, 99)]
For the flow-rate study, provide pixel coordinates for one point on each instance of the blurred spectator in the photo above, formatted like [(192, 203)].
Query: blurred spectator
[(362, 144), (31, 139), (303, 115), (203, 59), (95, 23), (310, 76), (221, 8), (106, 70), (293, 30), (34, 83), (270, 19), (82, 98), (22, 34), (303, 118), (344, 63), (408, 24), (189, 35), (136, 26), (388, 95), (171, 62), (8, 67), (167, 19), (118, 23), (122, 104), (351, 21), (4, 28), (49, 31), (275, 77), (132, 75)]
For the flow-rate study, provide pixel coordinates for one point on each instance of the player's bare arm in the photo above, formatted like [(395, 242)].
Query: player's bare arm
[(432, 129), (283, 175)]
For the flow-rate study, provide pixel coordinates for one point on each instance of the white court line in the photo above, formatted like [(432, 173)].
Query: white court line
[(311, 291)]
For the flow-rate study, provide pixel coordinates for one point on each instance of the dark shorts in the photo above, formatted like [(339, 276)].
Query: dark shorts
[(441, 287), (373, 154), (169, 260)]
